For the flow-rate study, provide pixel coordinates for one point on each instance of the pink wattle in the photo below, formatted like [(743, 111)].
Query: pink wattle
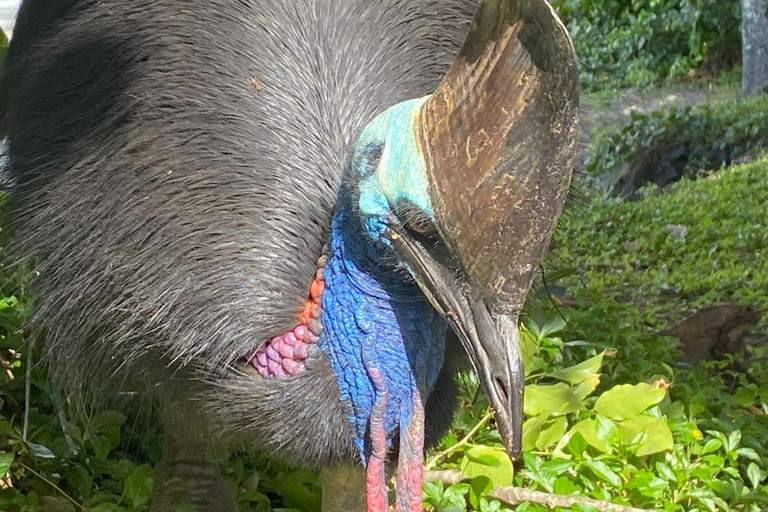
[(285, 355)]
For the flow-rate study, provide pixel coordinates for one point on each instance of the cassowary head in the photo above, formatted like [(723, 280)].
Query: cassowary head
[(447, 205), (465, 185)]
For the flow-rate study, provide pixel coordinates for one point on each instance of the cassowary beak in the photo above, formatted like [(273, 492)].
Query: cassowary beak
[(498, 140), (491, 341)]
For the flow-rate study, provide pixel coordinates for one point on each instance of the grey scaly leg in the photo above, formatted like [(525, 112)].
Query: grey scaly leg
[(343, 489), (187, 477)]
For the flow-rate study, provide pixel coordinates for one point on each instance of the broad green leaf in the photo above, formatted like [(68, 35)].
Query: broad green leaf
[(479, 486), (586, 387), (40, 451), (106, 507), (576, 444), (529, 347), (557, 398), (659, 437), (754, 474), (577, 373), (607, 431), (552, 433), (603, 472), (749, 453), (664, 471), (6, 429), (588, 430), (138, 486), (532, 430), (6, 459), (711, 446), (734, 439), (627, 400), (493, 463)]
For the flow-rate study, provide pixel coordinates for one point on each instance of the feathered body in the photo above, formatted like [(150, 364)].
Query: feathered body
[(176, 166)]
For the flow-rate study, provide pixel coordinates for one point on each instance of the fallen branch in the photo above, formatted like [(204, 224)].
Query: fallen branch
[(517, 495)]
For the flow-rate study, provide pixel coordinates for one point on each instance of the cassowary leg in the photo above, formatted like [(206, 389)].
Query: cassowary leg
[(411, 459), (343, 489), (188, 474)]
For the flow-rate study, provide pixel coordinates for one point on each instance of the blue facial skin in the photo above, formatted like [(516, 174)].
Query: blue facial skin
[(374, 315)]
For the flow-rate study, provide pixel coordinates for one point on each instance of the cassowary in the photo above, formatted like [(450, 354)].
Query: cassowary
[(284, 219)]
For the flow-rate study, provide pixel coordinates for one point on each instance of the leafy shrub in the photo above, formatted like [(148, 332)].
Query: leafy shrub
[(682, 441), (673, 142), (637, 43)]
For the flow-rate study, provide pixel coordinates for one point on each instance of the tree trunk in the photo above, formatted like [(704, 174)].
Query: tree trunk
[(754, 37)]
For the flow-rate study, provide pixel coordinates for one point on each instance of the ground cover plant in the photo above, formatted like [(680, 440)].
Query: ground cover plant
[(697, 242)]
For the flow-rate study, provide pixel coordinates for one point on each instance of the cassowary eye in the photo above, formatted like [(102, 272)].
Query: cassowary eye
[(420, 225), (416, 222)]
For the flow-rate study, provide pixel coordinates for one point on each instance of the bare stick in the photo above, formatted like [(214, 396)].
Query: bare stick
[(517, 495)]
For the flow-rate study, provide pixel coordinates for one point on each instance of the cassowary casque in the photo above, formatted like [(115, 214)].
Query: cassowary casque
[(289, 222)]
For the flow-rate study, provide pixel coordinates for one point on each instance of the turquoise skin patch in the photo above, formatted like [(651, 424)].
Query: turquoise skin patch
[(399, 172)]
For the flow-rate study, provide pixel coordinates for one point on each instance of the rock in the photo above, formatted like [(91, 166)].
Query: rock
[(676, 231), (712, 332)]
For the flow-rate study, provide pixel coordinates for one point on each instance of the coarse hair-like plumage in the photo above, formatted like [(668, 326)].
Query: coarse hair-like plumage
[(175, 166)]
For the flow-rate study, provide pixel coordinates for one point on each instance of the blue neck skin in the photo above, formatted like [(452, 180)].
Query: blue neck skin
[(375, 318)]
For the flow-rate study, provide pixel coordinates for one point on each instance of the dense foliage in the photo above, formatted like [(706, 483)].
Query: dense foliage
[(691, 140), (639, 42)]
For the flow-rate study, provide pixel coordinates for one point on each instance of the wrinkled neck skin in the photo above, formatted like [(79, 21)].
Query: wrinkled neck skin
[(376, 321), (385, 342)]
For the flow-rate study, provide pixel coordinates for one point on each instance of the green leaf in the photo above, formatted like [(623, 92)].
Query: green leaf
[(529, 347), (664, 471), (755, 475), (479, 486), (577, 373), (493, 463), (588, 430), (711, 446), (607, 431), (532, 430), (550, 435), (138, 486), (734, 439), (6, 459), (603, 472), (626, 400), (40, 451), (749, 453), (106, 507), (551, 399), (586, 387), (658, 435)]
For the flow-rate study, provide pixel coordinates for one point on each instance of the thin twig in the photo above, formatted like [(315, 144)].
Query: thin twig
[(437, 458), (56, 487), (517, 495), (28, 390)]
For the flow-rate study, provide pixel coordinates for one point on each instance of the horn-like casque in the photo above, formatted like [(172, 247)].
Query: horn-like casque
[(499, 137)]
